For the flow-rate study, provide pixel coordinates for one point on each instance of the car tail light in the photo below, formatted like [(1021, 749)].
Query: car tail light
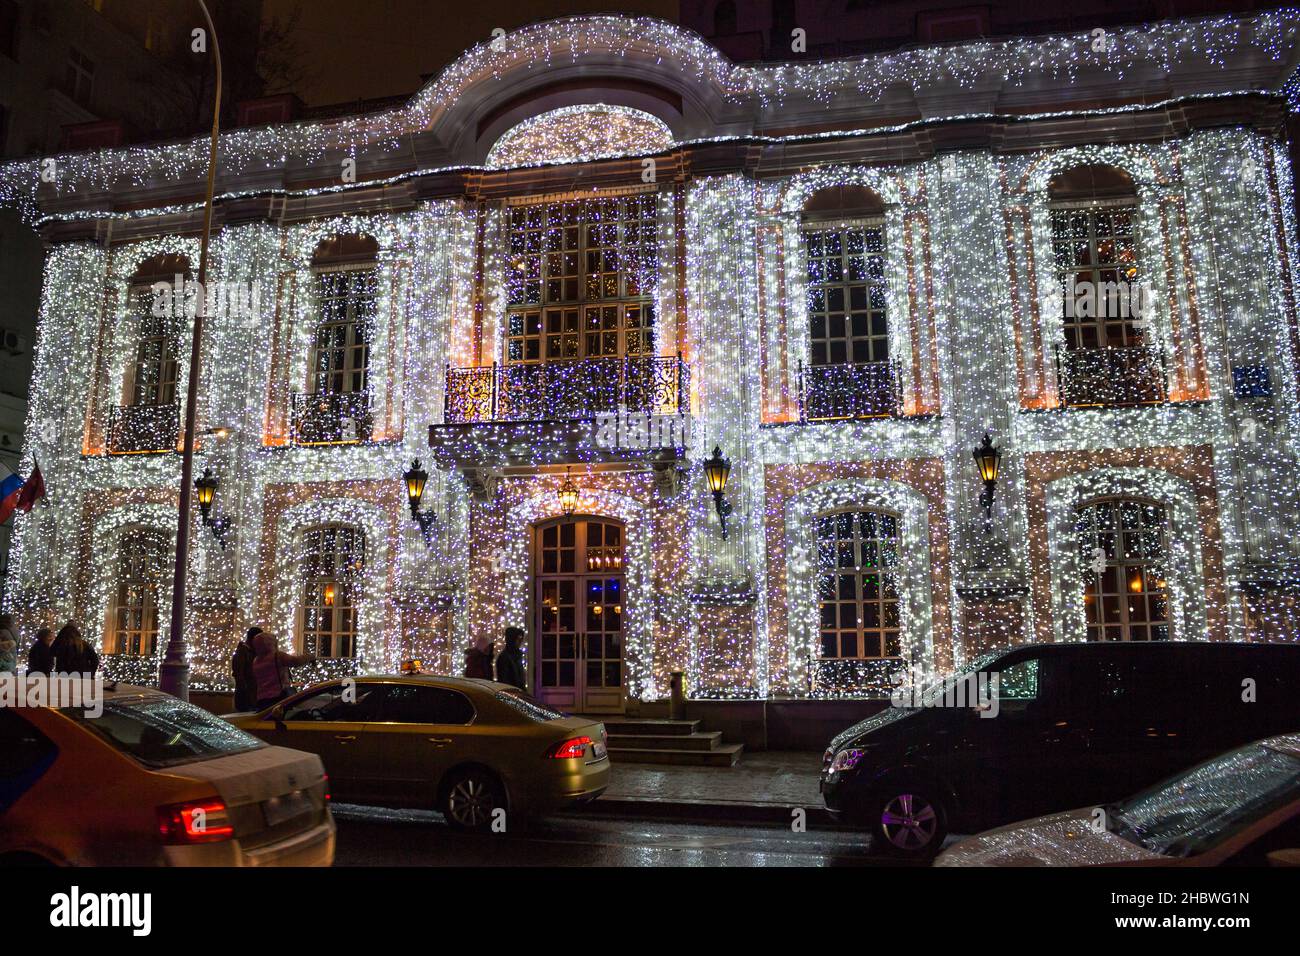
[(325, 780), (573, 747), (197, 821)]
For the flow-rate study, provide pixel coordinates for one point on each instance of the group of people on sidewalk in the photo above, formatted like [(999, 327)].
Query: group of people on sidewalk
[(66, 652), (262, 678), (509, 663)]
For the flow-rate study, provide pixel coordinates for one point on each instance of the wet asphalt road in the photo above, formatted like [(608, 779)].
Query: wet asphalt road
[(376, 837)]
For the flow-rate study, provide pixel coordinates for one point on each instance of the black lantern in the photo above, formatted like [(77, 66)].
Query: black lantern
[(205, 490), (716, 472), (568, 495), (988, 459), (416, 478)]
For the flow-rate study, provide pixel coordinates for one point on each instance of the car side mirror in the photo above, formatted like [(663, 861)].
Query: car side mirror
[(277, 715)]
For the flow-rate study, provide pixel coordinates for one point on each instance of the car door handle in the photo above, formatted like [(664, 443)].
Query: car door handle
[(345, 737), (439, 740)]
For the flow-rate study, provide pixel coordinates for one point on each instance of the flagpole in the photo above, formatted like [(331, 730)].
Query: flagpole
[(174, 672)]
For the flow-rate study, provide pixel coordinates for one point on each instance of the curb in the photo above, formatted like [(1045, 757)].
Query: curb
[(650, 809)]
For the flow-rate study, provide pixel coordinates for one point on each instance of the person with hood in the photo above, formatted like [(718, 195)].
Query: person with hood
[(241, 668), (71, 654), (478, 658), (40, 659), (271, 669), (8, 645), (510, 662)]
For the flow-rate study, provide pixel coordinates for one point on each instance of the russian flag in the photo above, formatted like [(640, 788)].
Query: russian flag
[(19, 495)]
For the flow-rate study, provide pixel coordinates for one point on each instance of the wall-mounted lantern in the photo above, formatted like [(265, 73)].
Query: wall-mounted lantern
[(716, 471), (416, 478), (205, 490), (568, 494), (988, 459)]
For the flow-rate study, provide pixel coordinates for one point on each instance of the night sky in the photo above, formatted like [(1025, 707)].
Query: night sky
[(377, 48)]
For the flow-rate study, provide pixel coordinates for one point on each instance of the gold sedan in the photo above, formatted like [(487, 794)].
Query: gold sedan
[(475, 750)]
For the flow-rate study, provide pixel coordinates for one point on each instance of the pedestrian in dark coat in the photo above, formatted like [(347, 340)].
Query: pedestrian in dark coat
[(241, 668), (478, 658), (510, 662), (71, 653), (40, 659)]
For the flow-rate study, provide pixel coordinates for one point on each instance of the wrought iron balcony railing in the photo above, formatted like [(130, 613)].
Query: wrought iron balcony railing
[(331, 418), (1133, 375), (143, 429), (563, 390), (866, 390)]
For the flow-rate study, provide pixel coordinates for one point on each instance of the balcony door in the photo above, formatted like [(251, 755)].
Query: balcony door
[(578, 606)]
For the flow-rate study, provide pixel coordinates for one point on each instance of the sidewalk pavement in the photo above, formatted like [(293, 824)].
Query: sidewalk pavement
[(764, 787)]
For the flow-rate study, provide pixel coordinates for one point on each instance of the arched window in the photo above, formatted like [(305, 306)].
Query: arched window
[(849, 373), (857, 561), (1124, 546), (336, 407), (147, 419), (1105, 359), (142, 567), (332, 559)]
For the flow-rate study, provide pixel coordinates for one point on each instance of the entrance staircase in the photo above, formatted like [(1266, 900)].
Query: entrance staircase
[(677, 742)]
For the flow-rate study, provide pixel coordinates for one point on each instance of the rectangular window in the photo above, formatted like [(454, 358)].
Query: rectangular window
[(341, 345), (580, 279), (857, 562), (846, 293), (1095, 250), (79, 77)]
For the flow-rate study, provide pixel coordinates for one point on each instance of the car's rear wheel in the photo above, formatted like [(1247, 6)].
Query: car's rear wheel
[(910, 822), (474, 800)]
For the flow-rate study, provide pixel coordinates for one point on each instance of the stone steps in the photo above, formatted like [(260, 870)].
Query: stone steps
[(677, 742)]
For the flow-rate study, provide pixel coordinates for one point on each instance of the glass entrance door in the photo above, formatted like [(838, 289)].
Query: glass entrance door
[(579, 597)]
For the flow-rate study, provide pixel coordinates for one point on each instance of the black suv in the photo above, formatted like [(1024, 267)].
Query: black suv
[(1047, 727)]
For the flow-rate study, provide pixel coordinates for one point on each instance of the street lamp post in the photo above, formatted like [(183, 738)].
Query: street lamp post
[(174, 673)]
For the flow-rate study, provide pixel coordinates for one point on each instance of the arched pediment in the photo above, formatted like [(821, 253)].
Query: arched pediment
[(577, 134)]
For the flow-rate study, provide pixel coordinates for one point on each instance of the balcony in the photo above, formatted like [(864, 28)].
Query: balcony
[(1133, 375), (331, 418), (837, 392), (566, 390), (143, 429)]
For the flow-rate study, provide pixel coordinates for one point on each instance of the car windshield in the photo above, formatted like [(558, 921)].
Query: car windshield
[(163, 731), (1209, 803), (528, 707)]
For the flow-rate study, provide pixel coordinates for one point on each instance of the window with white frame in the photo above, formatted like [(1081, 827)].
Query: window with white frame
[(1093, 220), (142, 567), (857, 565), (1124, 547), (846, 292), (341, 342), (580, 279), (331, 563)]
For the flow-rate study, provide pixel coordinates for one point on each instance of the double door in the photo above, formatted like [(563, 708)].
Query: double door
[(579, 605)]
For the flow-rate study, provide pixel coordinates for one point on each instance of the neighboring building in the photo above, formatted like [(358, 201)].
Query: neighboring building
[(841, 274)]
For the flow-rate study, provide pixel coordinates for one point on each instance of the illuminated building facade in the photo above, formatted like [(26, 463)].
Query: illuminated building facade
[(594, 250)]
